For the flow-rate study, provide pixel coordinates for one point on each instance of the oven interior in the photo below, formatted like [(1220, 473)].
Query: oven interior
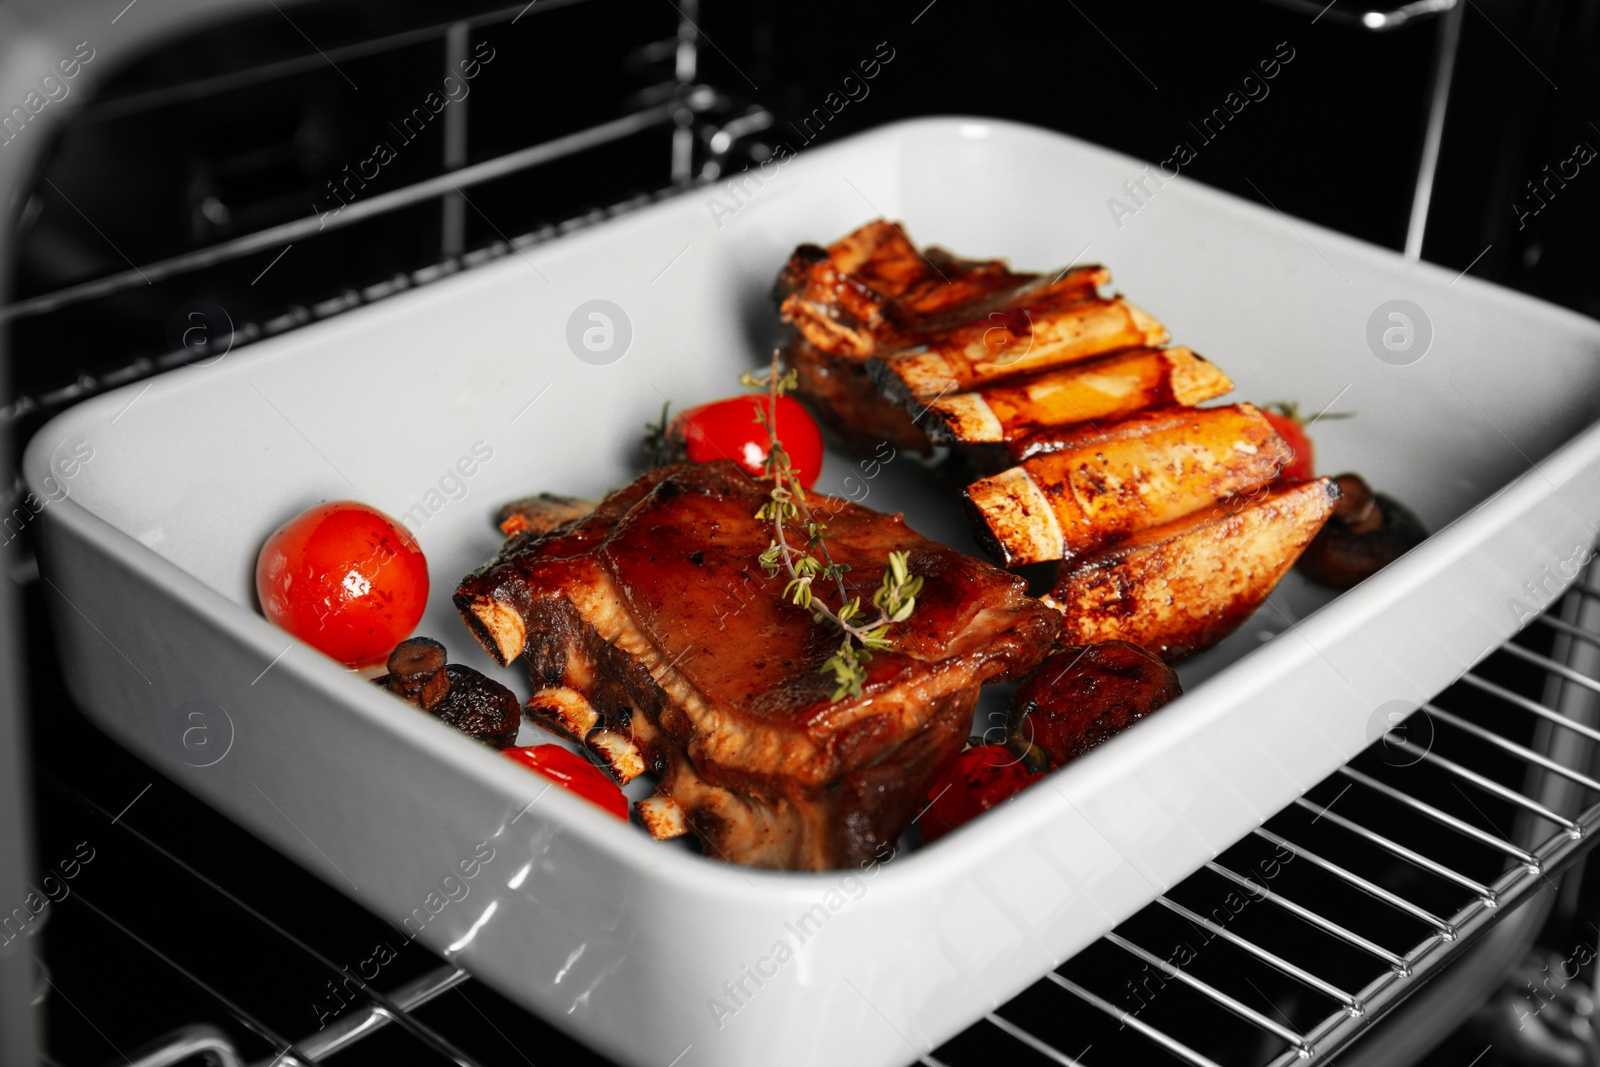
[(204, 199)]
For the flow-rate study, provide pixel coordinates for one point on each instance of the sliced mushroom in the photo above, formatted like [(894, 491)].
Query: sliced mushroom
[(452, 692), (1368, 531), (416, 673)]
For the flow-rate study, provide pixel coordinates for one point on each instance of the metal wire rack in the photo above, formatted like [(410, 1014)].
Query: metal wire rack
[(1350, 931), (1283, 949)]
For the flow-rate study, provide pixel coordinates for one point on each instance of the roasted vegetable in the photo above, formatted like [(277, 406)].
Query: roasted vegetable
[(1084, 490), (1368, 532), (345, 578), (452, 692), (1075, 699), (1083, 695), (1098, 391), (981, 778), (733, 429), (573, 772), (1180, 588)]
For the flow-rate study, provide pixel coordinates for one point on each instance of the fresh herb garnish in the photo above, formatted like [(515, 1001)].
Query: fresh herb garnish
[(789, 513)]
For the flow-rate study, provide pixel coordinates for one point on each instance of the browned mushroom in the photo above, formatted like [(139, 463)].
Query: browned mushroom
[(1367, 532), (452, 692), (1082, 695)]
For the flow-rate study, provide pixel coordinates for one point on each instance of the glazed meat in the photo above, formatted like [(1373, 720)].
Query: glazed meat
[(1084, 488), (651, 633), (1097, 391), (1029, 338), (540, 514), (1180, 588), (844, 399), (874, 293)]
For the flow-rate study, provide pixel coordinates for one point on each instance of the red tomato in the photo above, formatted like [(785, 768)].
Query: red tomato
[(346, 579), (569, 769), (980, 778), (1293, 432), (727, 429)]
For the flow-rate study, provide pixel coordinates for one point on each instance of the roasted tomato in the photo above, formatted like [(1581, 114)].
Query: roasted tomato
[(1084, 695), (981, 778), (346, 579), (727, 429), (569, 769), (1285, 418)]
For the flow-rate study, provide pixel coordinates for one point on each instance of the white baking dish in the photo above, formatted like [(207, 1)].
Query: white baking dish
[(629, 944)]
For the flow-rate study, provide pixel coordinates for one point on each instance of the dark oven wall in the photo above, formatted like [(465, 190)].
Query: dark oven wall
[(1329, 128)]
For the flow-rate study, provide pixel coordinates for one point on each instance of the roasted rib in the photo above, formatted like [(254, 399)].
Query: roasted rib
[(1087, 487), (651, 633), (846, 401), (1026, 338), (1182, 587), (873, 292), (1099, 391)]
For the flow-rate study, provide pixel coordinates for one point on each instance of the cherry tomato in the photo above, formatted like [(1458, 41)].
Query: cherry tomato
[(1293, 432), (981, 777), (567, 768), (346, 579), (727, 429)]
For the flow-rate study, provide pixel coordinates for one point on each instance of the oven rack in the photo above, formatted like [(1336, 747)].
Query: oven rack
[(1375, 19), (709, 130), (1449, 822)]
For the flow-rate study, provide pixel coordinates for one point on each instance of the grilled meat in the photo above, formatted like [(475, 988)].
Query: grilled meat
[(1099, 391), (452, 692), (837, 389), (1078, 433), (1085, 487), (651, 633), (1082, 695), (1180, 588), (1025, 338), (873, 292)]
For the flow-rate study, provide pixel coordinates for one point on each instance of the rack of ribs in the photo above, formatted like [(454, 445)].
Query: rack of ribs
[(873, 293), (1074, 423), (652, 635)]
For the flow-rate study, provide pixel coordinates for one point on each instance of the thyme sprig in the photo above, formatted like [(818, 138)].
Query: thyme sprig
[(790, 513)]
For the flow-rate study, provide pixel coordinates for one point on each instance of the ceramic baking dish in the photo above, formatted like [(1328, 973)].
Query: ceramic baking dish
[(1478, 414)]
